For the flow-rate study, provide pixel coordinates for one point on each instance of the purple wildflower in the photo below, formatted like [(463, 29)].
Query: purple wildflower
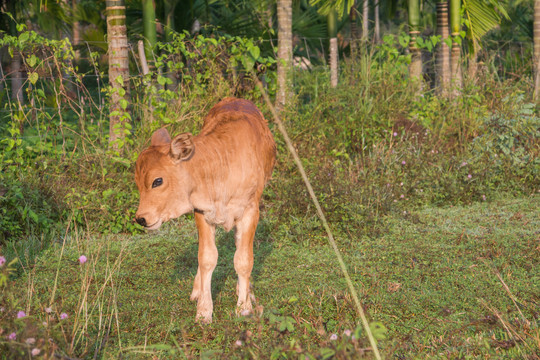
[(21, 314), (2, 261), (82, 259), (63, 316)]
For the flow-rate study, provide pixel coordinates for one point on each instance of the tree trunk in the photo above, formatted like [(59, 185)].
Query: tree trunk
[(536, 65), (118, 69), (332, 34), (365, 20), (415, 68), (149, 28), (17, 78), (76, 30), (354, 30), (455, 28), (472, 68), (442, 62), (284, 12), (377, 30), (169, 30)]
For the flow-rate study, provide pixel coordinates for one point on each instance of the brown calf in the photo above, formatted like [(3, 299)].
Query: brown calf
[(220, 175)]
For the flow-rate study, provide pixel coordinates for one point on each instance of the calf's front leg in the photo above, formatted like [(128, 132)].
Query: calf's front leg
[(208, 256)]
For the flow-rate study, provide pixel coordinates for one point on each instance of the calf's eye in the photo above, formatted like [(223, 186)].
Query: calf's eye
[(157, 182)]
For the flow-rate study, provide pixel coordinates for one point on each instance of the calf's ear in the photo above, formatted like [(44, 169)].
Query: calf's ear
[(182, 147), (160, 137)]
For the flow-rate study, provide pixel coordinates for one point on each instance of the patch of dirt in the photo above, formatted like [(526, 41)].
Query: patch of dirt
[(409, 128)]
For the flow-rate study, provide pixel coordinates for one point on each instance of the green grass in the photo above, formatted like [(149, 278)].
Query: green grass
[(452, 282)]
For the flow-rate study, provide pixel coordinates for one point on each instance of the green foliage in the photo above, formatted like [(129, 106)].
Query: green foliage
[(509, 147), (341, 7), (25, 209)]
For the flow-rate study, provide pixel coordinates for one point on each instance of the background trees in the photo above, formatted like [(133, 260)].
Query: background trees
[(320, 29)]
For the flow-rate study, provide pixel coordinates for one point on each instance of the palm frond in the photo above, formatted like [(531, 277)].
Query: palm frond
[(482, 16), (342, 7)]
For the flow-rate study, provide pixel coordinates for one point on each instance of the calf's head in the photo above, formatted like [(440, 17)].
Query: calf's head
[(163, 180)]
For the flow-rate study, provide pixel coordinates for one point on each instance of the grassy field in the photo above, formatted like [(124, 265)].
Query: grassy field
[(455, 282)]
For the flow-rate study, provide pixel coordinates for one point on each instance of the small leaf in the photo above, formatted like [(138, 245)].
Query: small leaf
[(161, 80), (448, 41), (123, 104), (379, 330), (248, 63), (33, 78), (33, 215), (255, 52), (327, 353), (403, 41), (32, 60), (23, 37)]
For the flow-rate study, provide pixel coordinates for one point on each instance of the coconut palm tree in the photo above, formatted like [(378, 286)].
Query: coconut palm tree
[(442, 56), (415, 68), (376, 22), (284, 14), (333, 10), (480, 17), (455, 29), (118, 69), (332, 34), (149, 26), (365, 20)]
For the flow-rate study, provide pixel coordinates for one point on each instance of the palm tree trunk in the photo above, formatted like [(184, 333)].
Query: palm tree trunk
[(365, 20), (170, 5), (149, 28), (415, 68), (76, 30), (354, 30), (17, 78), (16, 74), (118, 69), (332, 34), (284, 12), (442, 62), (536, 65), (455, 28)]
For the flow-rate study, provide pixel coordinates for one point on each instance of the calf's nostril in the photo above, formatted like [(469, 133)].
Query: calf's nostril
[(141, 221)]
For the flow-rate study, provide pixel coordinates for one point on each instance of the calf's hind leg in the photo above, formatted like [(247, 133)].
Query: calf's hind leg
[(208, 255), (243, 257)]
